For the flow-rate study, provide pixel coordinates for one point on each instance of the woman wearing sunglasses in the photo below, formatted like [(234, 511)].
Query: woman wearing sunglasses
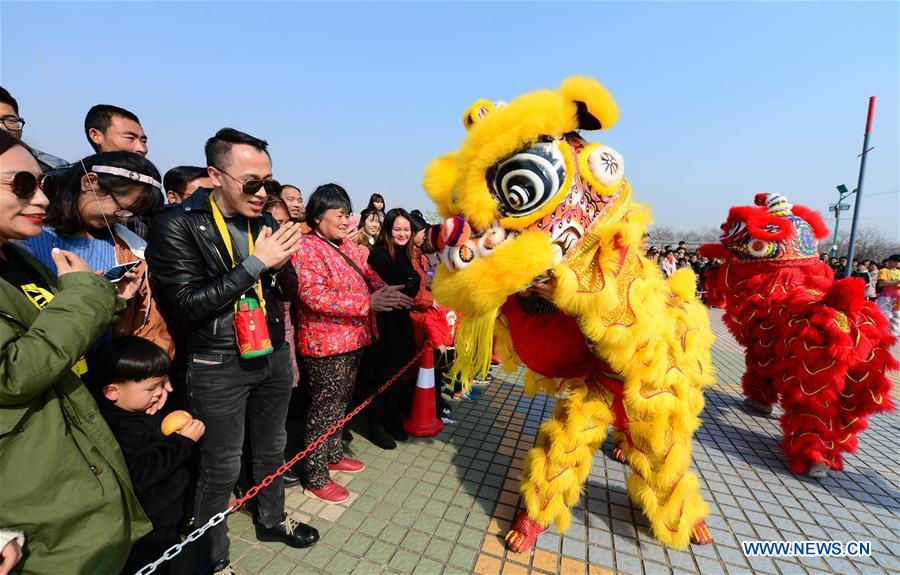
[(65, 487), (91, 203)]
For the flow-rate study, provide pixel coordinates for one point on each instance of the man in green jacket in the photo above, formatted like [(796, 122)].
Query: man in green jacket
[(63, 480)]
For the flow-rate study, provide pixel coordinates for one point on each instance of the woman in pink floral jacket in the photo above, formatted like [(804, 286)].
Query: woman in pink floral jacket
[(338, 296)]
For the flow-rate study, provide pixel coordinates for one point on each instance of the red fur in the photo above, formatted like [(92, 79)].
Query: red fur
[(715, 252), (816, 344), (756, 218)]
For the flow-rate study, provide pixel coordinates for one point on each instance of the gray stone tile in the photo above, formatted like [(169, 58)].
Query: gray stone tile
[(549, 541), (628, 564), (732, 555), (625, 544), (573, 548), (655, 552), (709, 567), (601, 556), (682, 560)]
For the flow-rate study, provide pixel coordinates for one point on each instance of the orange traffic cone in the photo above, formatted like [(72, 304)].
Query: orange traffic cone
[(423, 420)]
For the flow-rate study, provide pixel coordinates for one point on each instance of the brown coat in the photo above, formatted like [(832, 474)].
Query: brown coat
[(143, 317)]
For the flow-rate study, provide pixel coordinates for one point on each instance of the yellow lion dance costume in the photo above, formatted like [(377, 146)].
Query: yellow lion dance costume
[(532, 208)]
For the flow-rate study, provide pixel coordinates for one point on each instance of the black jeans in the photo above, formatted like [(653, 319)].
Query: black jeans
[(225, 392)]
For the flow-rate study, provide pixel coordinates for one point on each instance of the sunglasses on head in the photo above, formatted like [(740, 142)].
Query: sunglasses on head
[(25, 184), (252, 186)]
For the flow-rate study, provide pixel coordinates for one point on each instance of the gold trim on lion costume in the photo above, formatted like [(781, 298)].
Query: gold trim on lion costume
[(556, 206)]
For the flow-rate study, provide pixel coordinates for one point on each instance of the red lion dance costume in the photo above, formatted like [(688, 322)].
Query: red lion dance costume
[(811, 341)]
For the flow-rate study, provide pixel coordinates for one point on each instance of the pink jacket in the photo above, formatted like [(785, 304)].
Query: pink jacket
[(333, 314)]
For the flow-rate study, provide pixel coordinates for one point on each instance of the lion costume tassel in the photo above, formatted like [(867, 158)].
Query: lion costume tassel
[(532, 208), (812, 342)]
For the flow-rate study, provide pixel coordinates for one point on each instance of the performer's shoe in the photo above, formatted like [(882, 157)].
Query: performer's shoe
[(700, 534), (818, 470), (758, 405), (523, 534), (618, 454)]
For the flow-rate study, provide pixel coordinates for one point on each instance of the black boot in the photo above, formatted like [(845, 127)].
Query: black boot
[(380, 437), (290, 477), (396, 430)]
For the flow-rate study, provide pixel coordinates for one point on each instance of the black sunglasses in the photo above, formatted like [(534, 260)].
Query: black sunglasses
[(25, 184), (252, 186)]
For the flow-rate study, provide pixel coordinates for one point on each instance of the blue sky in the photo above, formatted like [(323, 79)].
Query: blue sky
[(719, 101)]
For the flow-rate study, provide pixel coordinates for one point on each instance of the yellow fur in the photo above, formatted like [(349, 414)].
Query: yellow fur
[(597, 99), (438, 183), (477, 111), (651, 331)]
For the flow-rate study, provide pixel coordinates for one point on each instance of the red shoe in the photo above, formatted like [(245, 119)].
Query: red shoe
[(523, 534), (331, 493), (700, 534), (347, 465)]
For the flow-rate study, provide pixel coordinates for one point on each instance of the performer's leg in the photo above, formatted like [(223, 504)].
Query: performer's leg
[(866, 391), (810, 422), (759, 389), (555, 470), (659, 451), (619, 442)]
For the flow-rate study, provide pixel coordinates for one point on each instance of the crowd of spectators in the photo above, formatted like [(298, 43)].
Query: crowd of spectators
[(170, 340)]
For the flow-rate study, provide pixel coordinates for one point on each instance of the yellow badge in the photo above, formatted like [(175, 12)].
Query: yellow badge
[(40, 298)]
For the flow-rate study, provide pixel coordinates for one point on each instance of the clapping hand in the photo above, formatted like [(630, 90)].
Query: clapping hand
[(274, 250)]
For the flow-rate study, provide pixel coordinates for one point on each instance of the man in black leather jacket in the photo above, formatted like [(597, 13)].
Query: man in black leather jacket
[(199, 280)]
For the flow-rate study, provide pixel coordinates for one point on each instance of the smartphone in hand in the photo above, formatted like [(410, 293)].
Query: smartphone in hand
[(116, 273)]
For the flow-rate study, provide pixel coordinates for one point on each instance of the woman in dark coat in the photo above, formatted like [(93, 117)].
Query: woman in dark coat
[(392, 259)]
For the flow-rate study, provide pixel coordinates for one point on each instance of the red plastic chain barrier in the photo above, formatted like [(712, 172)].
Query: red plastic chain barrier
[(174, 550), (251, 493)]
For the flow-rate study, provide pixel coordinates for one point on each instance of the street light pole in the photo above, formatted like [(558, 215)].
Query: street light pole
[(859, 186), (837, 209), (837, 222)]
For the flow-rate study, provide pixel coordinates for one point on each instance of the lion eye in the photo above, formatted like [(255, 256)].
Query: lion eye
[(607, 165), (526, 181), (459, 258), (759, 248)]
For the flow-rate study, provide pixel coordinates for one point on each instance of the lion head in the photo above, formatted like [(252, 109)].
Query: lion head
[(522, 191), (773, 230)]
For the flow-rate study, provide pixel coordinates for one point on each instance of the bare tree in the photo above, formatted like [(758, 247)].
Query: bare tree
[(871, 244), (660, 235)]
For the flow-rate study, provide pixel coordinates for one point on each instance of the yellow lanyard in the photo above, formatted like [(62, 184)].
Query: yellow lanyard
[(226, 237)]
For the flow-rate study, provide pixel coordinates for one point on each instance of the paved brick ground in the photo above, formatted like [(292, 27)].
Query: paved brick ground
[(441, 505)]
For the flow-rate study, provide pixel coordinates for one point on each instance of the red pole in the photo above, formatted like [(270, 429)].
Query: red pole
[(871, 114)]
